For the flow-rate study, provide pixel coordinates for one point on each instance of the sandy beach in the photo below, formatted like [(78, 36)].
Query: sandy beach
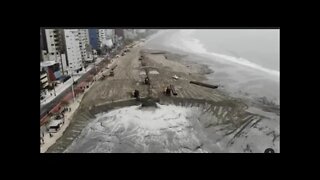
[(197, 119)]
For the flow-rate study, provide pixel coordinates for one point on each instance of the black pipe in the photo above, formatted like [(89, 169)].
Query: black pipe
[(203, 84)]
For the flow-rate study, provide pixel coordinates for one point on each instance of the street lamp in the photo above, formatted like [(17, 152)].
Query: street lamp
[(54, 88), (95, 67), (71, 73)]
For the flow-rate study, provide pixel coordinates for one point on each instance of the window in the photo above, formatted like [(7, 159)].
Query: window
[(52, 44), (52, 53)]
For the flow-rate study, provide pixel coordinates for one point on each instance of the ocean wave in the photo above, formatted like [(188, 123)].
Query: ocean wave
[(183, 40)]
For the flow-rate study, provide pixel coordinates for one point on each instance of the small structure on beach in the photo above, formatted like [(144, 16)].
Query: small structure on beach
[(204, 84)]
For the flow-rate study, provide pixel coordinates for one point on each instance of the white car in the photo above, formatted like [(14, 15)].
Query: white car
[(55, 125)]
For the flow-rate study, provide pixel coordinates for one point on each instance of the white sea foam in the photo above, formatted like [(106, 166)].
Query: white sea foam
[(183, 40), (168, 125)]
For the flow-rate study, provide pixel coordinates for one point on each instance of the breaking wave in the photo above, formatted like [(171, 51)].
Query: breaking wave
[(184, 41)]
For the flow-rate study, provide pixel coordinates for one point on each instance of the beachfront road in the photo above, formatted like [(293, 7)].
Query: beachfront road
[(47, 107)]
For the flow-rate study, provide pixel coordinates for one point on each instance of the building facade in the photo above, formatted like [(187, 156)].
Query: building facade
[(110, 36), (130, 34), (84, 43), (43, 45), (102, 37), (119, 32), (52, 70), (53, 46), (73, 51), (43, 79), (94, 38)]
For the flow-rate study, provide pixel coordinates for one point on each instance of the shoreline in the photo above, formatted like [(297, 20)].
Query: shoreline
[(171, 62), (237, 79)]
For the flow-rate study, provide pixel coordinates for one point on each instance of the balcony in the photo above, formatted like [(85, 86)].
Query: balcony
[(44, 75), (43, 81), (44, 85)]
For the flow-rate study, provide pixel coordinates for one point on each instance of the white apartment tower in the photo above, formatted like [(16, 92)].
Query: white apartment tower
[(110, 37), (53, 45), (72, 41), (102, 37), (83, 43)]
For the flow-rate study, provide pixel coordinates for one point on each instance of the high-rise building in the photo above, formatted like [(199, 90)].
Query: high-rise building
[(94, 38), (119, 36), (102, 37), (119, 32), (84, 42), (110, 37), (41, 45), (72, 42), (53, 46), (129, 33)]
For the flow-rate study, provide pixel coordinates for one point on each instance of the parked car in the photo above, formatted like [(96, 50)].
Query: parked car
[(55, 125)]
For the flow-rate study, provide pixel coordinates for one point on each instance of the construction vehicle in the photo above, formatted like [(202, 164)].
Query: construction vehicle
[(167, 91), (135, 93), (147, 81), (173, 90), (102, 77), (111, 73)]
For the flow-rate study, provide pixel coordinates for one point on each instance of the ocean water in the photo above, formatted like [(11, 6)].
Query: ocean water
[(171, 128), (244, 60), (258, 46)]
